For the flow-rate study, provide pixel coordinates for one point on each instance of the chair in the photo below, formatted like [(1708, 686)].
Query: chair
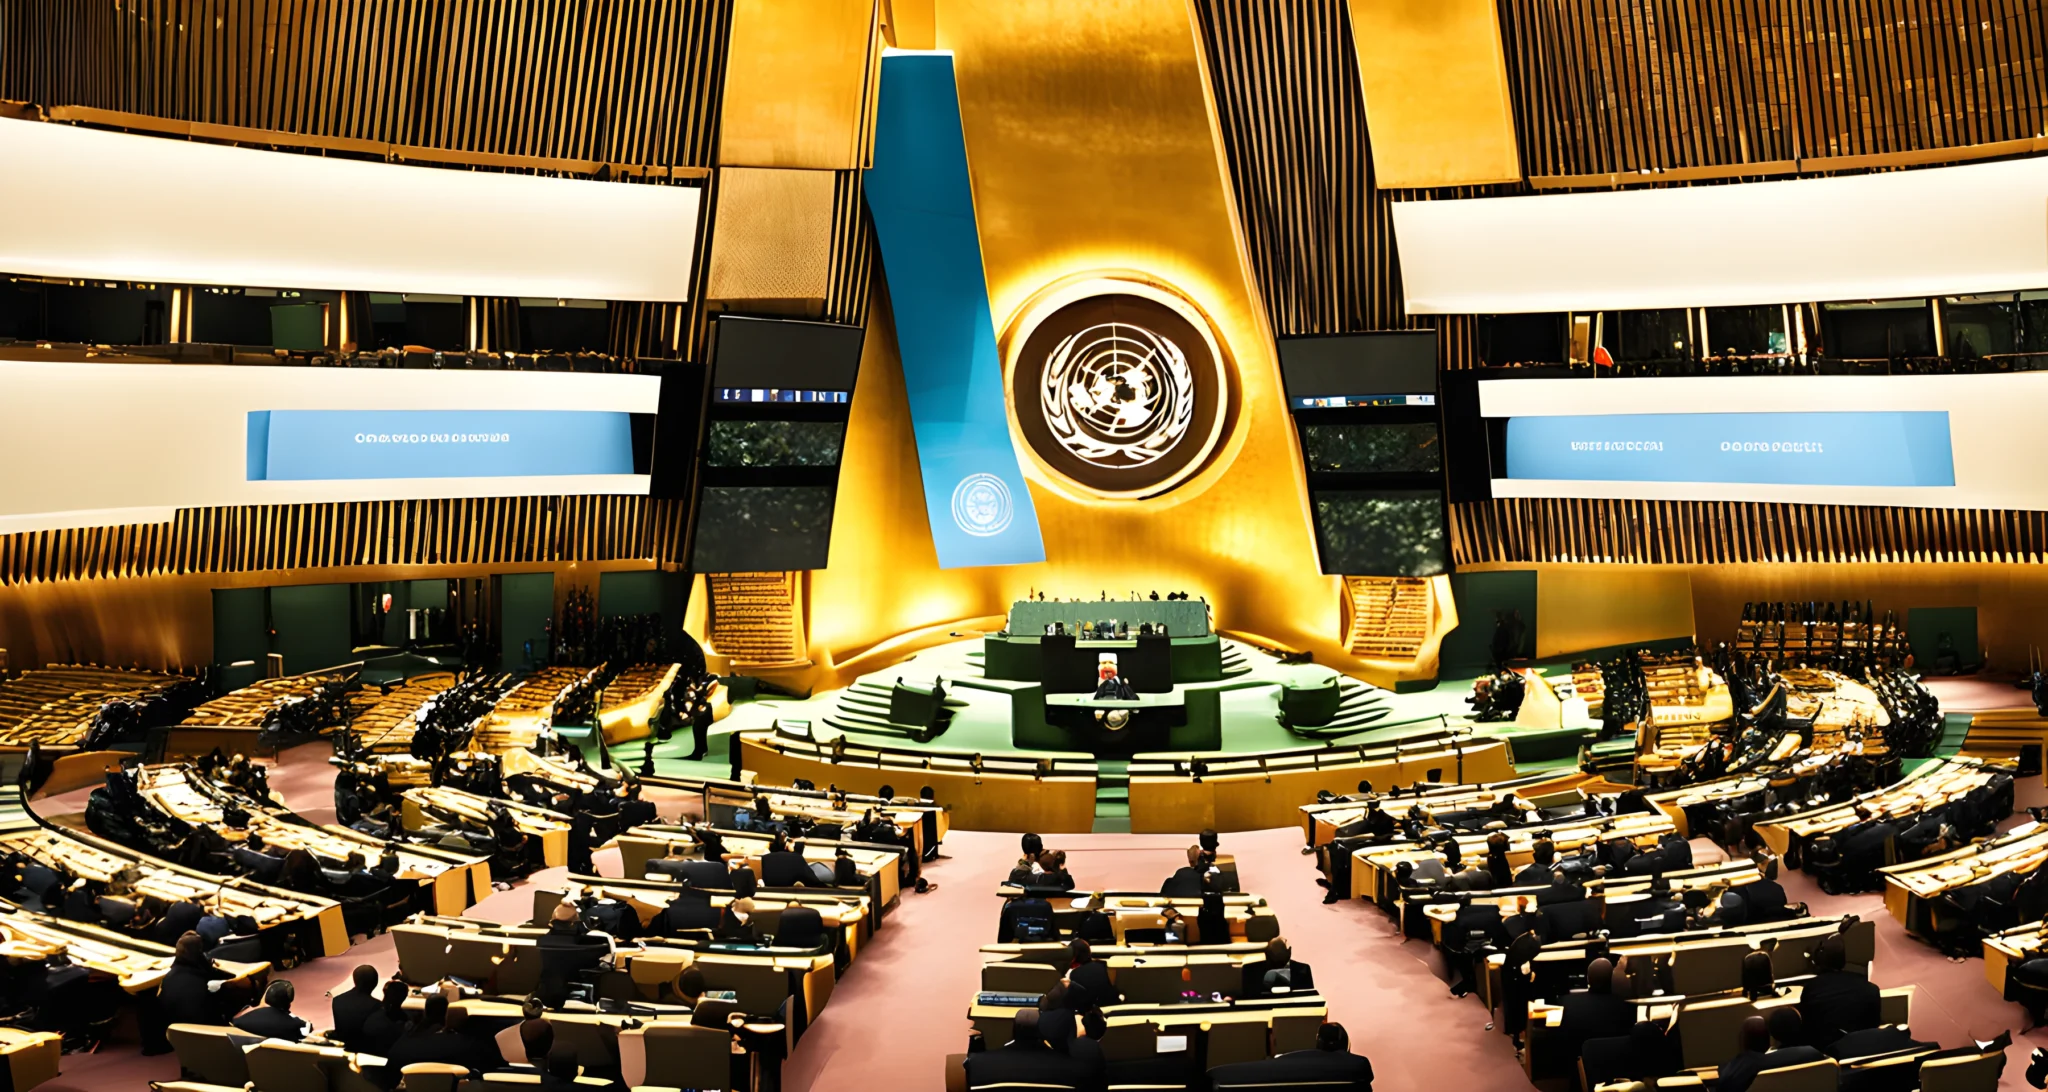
[(1979, 1074), (800, 927), (1709, 1032), (422, 952), (713, 1013), (682, 1056), (431, 1077), (654, 975), (1238, 1042), (208, 1053), (1812, 1077), (1707, 968), (1261, 927), (286, 1067), (1295, 1032)]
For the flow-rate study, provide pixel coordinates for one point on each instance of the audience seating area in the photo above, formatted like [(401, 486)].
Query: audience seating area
[(59, 707)]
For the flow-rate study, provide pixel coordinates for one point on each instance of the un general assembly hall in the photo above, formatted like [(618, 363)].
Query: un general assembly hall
[(1023, 545)]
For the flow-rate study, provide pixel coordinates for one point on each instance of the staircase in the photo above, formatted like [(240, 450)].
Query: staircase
[(1360, 707), (754, 618), (1112, 796), (1390, 616), (864, 708), (1233, 660)]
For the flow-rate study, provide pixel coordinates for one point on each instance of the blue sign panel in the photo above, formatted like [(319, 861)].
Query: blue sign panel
[(346, 445), (974, 492), (1828, 448)]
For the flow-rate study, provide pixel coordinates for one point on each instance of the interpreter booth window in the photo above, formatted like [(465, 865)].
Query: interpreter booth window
[(1408, 448), (1523, 340), (264, 318), (1649, 342), (415, 319), (762, 529), (767, 443), (564, 326), (1877, 330), (1982, 329), (1752, 339), (36, 309)]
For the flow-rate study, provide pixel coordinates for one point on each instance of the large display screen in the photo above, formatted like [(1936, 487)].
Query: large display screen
[(1389, 368), (91, 444), (1381, 532), (1963, 441), (782, 355)]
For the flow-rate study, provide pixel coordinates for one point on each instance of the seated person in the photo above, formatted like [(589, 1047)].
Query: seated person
[(1026, 1059), (1278, 972), (1328, 1064), (1088, 984), (384, 1026), (1738, 1073), (1114, 688), (273, 1018), (254, 862), (1189, 882), (784, 865), (353, 1007), (1542, 858), (568, 948), (690, 909), (1595, 1012), (192, 990), (1660, 913), (1458, 876), (1837, 1000), (439, 1036)]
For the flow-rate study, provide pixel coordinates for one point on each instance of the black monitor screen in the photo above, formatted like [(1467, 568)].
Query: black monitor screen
[(781, 354), (744, 529), (1392, 368), (1391, 532)]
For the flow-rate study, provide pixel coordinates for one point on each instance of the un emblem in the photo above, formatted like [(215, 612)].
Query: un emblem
[(981, 505), (1118, 387)]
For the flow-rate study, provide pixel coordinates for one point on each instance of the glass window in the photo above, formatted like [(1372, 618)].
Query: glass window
[(1381, 533), (1372, 449), (776, 443)]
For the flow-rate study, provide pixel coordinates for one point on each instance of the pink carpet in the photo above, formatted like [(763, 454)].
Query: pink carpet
[(902, 1006)]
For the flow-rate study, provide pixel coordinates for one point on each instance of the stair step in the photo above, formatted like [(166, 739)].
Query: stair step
[(1109, 795)]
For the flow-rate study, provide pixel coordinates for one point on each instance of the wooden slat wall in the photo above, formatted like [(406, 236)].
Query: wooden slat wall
[(506, 530), (625, 81), (853, 252), (1624, 85), (1606, 85), (1717, 532)]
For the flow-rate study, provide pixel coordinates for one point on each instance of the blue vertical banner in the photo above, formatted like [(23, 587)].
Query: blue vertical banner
[(923, 207)]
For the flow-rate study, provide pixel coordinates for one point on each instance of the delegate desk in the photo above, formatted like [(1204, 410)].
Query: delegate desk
[(1053, 795), (1912, 891), (1320, 821), (138, 965), (1175, 793), (723, 797), (316, 921), (386, 727), (1688, 804), (1143, 973), (1934, 784), (507, 959), (1372, 867), (234, 722), (516, 722), (1440, 908), (1250, 919), (425, 807), (1205, 1034), (848, 914), (821, 808), (877, 864), (454, 880)]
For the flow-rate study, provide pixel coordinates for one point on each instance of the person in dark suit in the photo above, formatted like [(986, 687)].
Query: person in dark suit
[(273, 1018), (355, 1006), (1837, 1001), (1088, 981), (1764, 899), (1595, 1013), (1542, 858), (1278, 970), (1052, 871), (1330, 1061), (784, 865), (440, 1037), (386, 1025), (191, 992), (1189, 882), (1056, 1016), (1086, 1051), (1025, 1059), (1871, 1042), (1739, 1072), (690, 909)]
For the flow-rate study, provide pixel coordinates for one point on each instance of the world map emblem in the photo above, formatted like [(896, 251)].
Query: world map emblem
[(982, 505), (1122, 392)]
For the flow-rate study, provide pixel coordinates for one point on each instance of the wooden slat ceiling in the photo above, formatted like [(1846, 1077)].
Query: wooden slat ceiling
[(1612, 86)]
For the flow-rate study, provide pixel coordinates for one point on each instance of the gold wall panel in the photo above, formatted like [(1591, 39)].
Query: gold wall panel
[(1091, 149), (1580, 607), (772, 238), (912, 23), (1436, 92), (798, 78)]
